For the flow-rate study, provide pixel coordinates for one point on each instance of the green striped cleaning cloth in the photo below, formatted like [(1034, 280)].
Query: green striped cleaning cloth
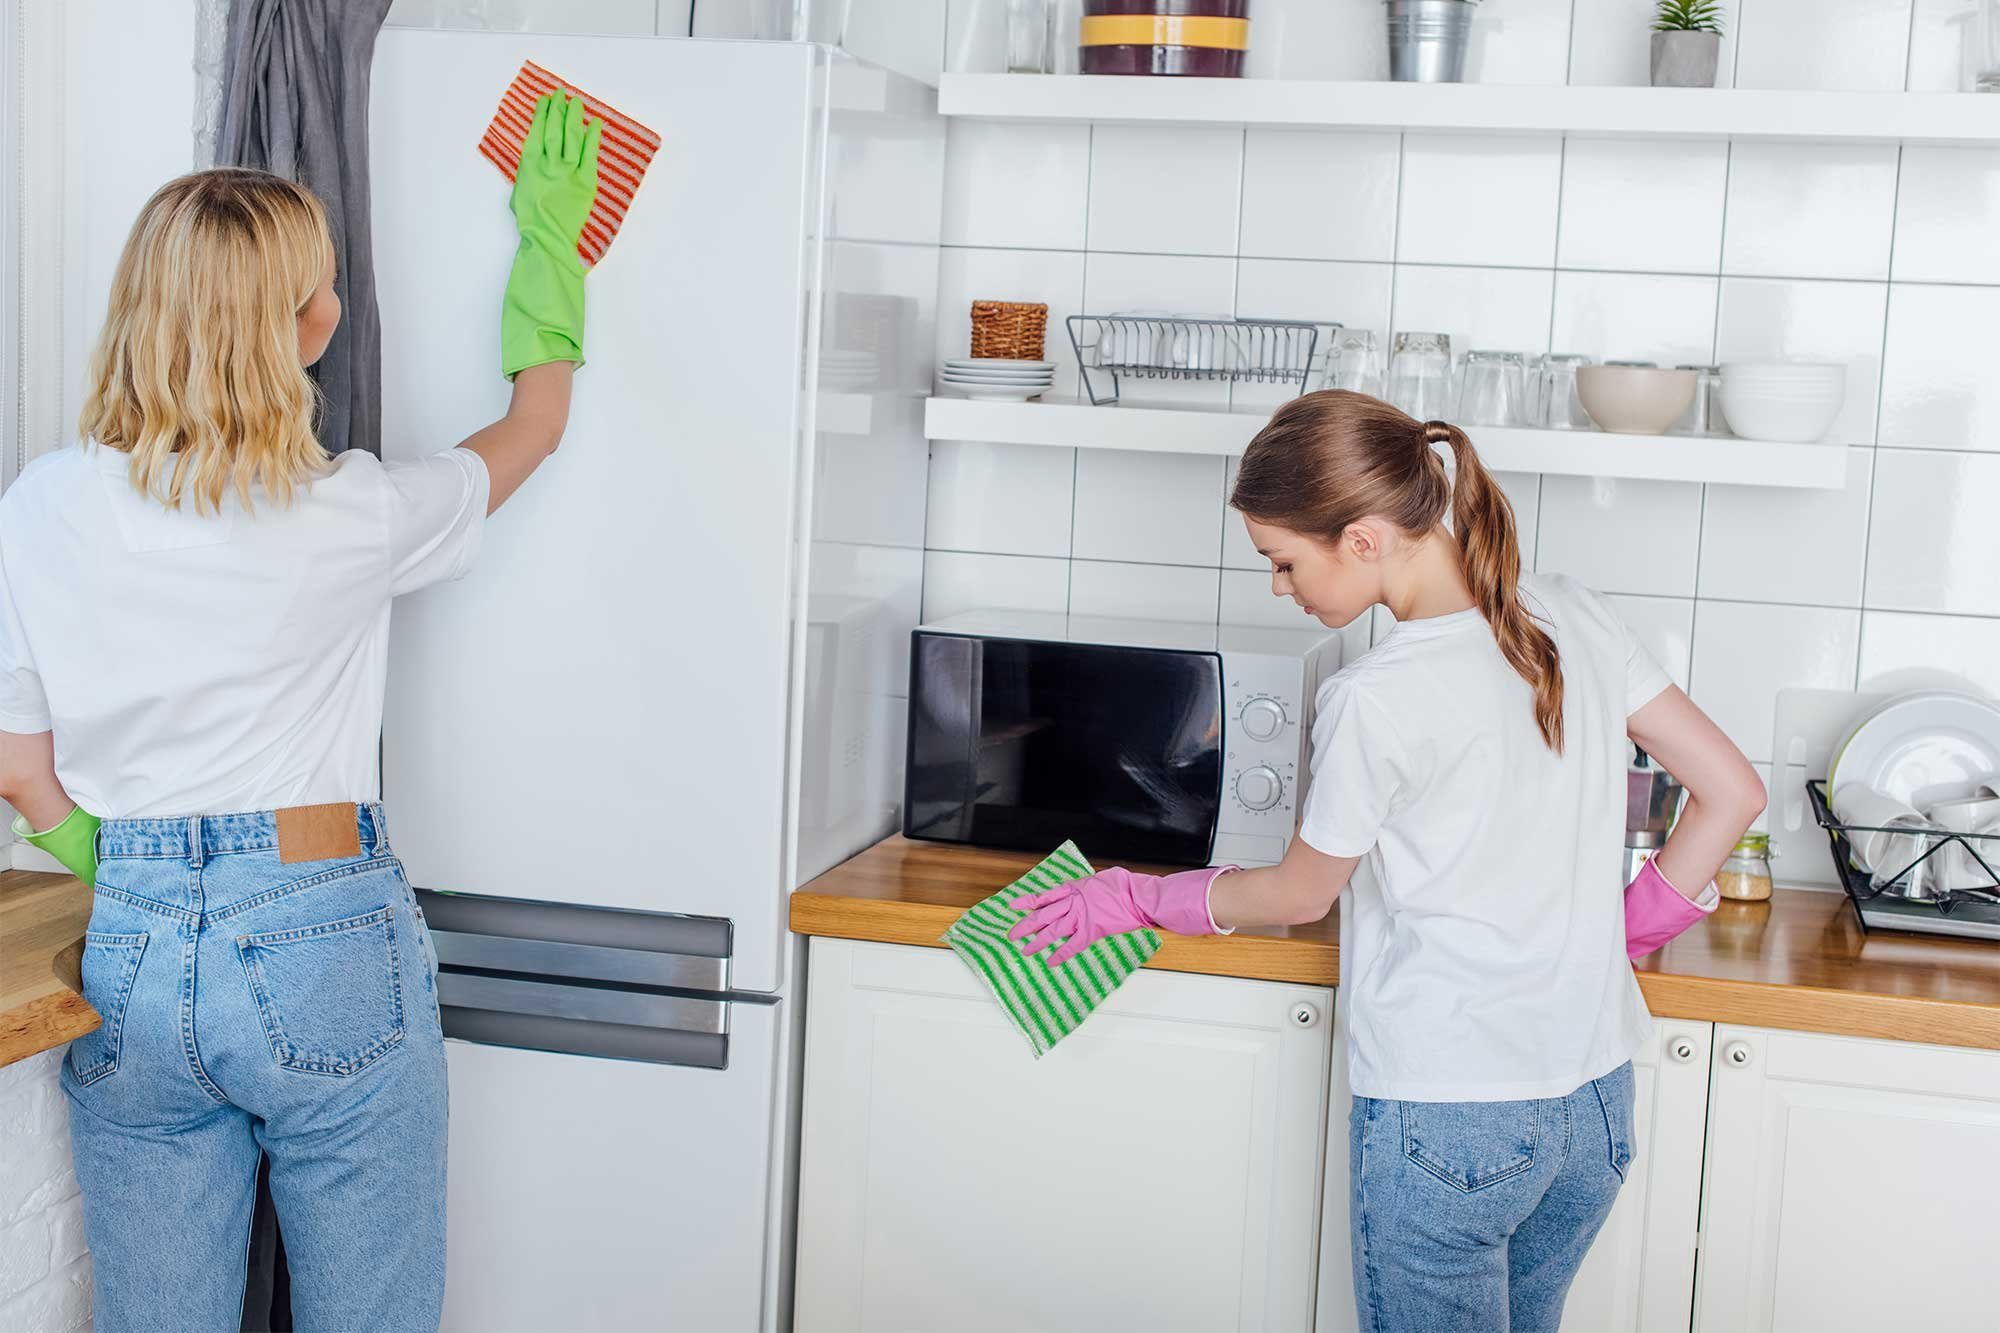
[(1045, 1003)]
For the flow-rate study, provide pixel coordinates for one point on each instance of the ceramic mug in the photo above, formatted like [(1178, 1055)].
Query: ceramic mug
[(1899, 837), (1971, 814)]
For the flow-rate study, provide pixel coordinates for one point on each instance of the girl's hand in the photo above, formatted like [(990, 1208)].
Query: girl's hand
[(1113, 902), (541, 318)]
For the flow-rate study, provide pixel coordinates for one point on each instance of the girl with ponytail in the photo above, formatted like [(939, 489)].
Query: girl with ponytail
[(1468, 778)]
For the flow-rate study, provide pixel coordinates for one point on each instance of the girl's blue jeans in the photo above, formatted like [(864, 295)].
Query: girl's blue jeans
[(1475, 1216), (253, 1006)]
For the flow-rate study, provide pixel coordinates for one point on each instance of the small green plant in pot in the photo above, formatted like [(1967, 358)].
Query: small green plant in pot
[(1687, 43)]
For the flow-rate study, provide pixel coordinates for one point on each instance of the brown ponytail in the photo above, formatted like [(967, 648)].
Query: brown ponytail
[(1328, 459)]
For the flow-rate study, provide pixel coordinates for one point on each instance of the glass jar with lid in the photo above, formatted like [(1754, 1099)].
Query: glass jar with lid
[(1746, 875)]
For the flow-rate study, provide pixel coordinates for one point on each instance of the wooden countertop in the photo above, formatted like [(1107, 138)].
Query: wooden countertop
[(42, 920), (1800, 961)]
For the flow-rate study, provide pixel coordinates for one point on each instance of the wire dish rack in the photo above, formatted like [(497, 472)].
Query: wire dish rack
[(1884, 900), (1161, 347)]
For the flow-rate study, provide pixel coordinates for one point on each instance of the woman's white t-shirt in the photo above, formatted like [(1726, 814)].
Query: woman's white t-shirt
[(1483, 957), (207, 664)]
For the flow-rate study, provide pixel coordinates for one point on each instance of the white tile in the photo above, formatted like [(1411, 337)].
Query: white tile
[(1238, 551), (1008, 499), (610, 17), (1769, 545), (1319, 194), (1947, 215), (1843, 45), (1665, 625), (1621, 536), (1767, 319), (1611, 43), (1939, 389), (1181, 284), (1499, 309), (975, 36), (1052, 277), (1479, 199), (1016, 185), (1943, 50), (1520, 42), (1635, 317), (1315, 39), (1933, 541), (1247, 600), (1810, 210), (954, 582), (1524, 493), (1144, 592), (1147, 507), (1353, 295), (1642, 205), (1901, 652), (1744, 653), (1165, 191)]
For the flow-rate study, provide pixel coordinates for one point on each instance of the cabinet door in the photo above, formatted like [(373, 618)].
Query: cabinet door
[(1160, 1169), (1851, 1185), (1639, 1275)]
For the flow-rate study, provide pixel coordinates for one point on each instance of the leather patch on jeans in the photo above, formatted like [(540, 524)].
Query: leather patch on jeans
[(319, 832)]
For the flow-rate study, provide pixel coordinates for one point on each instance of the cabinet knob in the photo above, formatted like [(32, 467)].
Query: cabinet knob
[(1681, 1049), (1305, 1015), (1737, 1053)]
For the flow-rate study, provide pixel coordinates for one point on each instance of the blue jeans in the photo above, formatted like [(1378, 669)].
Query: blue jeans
[(1473, 1217), (252, 1006)]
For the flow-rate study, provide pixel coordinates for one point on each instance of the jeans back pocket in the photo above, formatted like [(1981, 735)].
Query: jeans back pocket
[(1615, 1093), (110, 966), (1470, 1145), (330, 996)]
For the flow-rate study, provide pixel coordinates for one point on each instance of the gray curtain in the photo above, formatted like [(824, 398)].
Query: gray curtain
[(295, 101)]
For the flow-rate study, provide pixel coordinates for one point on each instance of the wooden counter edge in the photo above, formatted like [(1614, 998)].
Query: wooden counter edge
[(49, 1009), (1668, 995)]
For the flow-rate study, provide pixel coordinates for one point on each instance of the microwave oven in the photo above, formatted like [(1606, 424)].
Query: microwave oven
[(1182, 744)]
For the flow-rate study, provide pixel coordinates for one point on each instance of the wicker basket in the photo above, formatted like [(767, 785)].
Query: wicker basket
[(1008, 330)]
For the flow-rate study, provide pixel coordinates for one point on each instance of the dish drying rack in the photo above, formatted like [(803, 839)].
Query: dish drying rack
[(1150, 347), (1964, 911)]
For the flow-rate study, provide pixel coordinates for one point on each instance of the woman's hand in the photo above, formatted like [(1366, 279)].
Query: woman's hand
[(1114, 902), (555, 185)]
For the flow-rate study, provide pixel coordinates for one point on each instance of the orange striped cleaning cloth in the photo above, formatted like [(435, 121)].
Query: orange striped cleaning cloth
[(622, 157)]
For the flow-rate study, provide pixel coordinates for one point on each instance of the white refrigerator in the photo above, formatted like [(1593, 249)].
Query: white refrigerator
[(669, 692)]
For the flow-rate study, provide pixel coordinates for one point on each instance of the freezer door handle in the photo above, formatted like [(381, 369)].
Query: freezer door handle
[(555, 958), (592, 1004)]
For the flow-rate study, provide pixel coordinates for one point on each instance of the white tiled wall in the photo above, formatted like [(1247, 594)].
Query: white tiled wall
[(1885, 260)]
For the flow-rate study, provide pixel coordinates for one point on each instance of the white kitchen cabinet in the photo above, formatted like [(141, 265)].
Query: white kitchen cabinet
[(1639, 1277), (1160, 1169), (1850, 1185)]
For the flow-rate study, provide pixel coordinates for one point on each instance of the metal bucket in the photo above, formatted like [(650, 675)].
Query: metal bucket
[(1427, 40)]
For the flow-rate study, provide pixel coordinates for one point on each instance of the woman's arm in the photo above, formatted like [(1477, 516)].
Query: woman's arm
[(1299, 889), (1724, 792), (28, 779), (514, 446)]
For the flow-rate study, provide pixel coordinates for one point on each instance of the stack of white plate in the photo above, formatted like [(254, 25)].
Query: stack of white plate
[(848, 369), (1795, 402), (999, 381)]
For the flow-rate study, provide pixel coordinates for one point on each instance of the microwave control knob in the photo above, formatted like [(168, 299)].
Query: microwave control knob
[(1260, 788), (1263, 719)]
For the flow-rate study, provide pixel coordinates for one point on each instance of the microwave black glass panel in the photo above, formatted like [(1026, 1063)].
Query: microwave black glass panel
[(1020, 744)]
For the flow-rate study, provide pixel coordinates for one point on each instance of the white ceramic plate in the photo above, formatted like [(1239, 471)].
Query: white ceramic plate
[(995, 363), (1923, 748), (995, 379)]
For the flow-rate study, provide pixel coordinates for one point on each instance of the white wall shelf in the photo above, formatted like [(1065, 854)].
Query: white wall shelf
[(1728, 462), (1475, 108)]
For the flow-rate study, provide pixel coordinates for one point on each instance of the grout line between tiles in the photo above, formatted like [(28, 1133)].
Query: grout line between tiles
[(1881, 394)]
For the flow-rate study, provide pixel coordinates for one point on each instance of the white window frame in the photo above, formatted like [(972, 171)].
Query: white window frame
[(31, 232)]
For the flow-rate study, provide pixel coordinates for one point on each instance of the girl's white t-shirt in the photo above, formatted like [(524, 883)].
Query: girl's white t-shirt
[(1483, 955), (207, 664)]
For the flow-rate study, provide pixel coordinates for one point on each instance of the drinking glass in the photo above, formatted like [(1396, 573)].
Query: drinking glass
[(1420, 375), (1983, 49), (1560, 408), (1494, 390), (1353, 363), (1027, 36)]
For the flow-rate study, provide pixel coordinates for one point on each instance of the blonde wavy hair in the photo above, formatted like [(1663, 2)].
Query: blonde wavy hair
[(197, 373)]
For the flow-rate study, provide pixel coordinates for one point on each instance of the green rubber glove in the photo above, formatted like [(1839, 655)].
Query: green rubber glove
[(72, 842), (541, 319)]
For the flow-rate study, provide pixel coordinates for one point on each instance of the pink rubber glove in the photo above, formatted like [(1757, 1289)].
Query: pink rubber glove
[(1114, 902), (1656, 911)]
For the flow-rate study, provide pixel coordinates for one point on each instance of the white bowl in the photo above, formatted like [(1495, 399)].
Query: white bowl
[(1793, 413), (1775, 373), (1634, 400)]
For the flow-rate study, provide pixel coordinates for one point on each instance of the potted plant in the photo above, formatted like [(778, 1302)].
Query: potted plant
[(1687, 43)]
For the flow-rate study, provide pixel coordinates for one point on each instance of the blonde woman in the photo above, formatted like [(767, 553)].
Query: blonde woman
[(194, 611)]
